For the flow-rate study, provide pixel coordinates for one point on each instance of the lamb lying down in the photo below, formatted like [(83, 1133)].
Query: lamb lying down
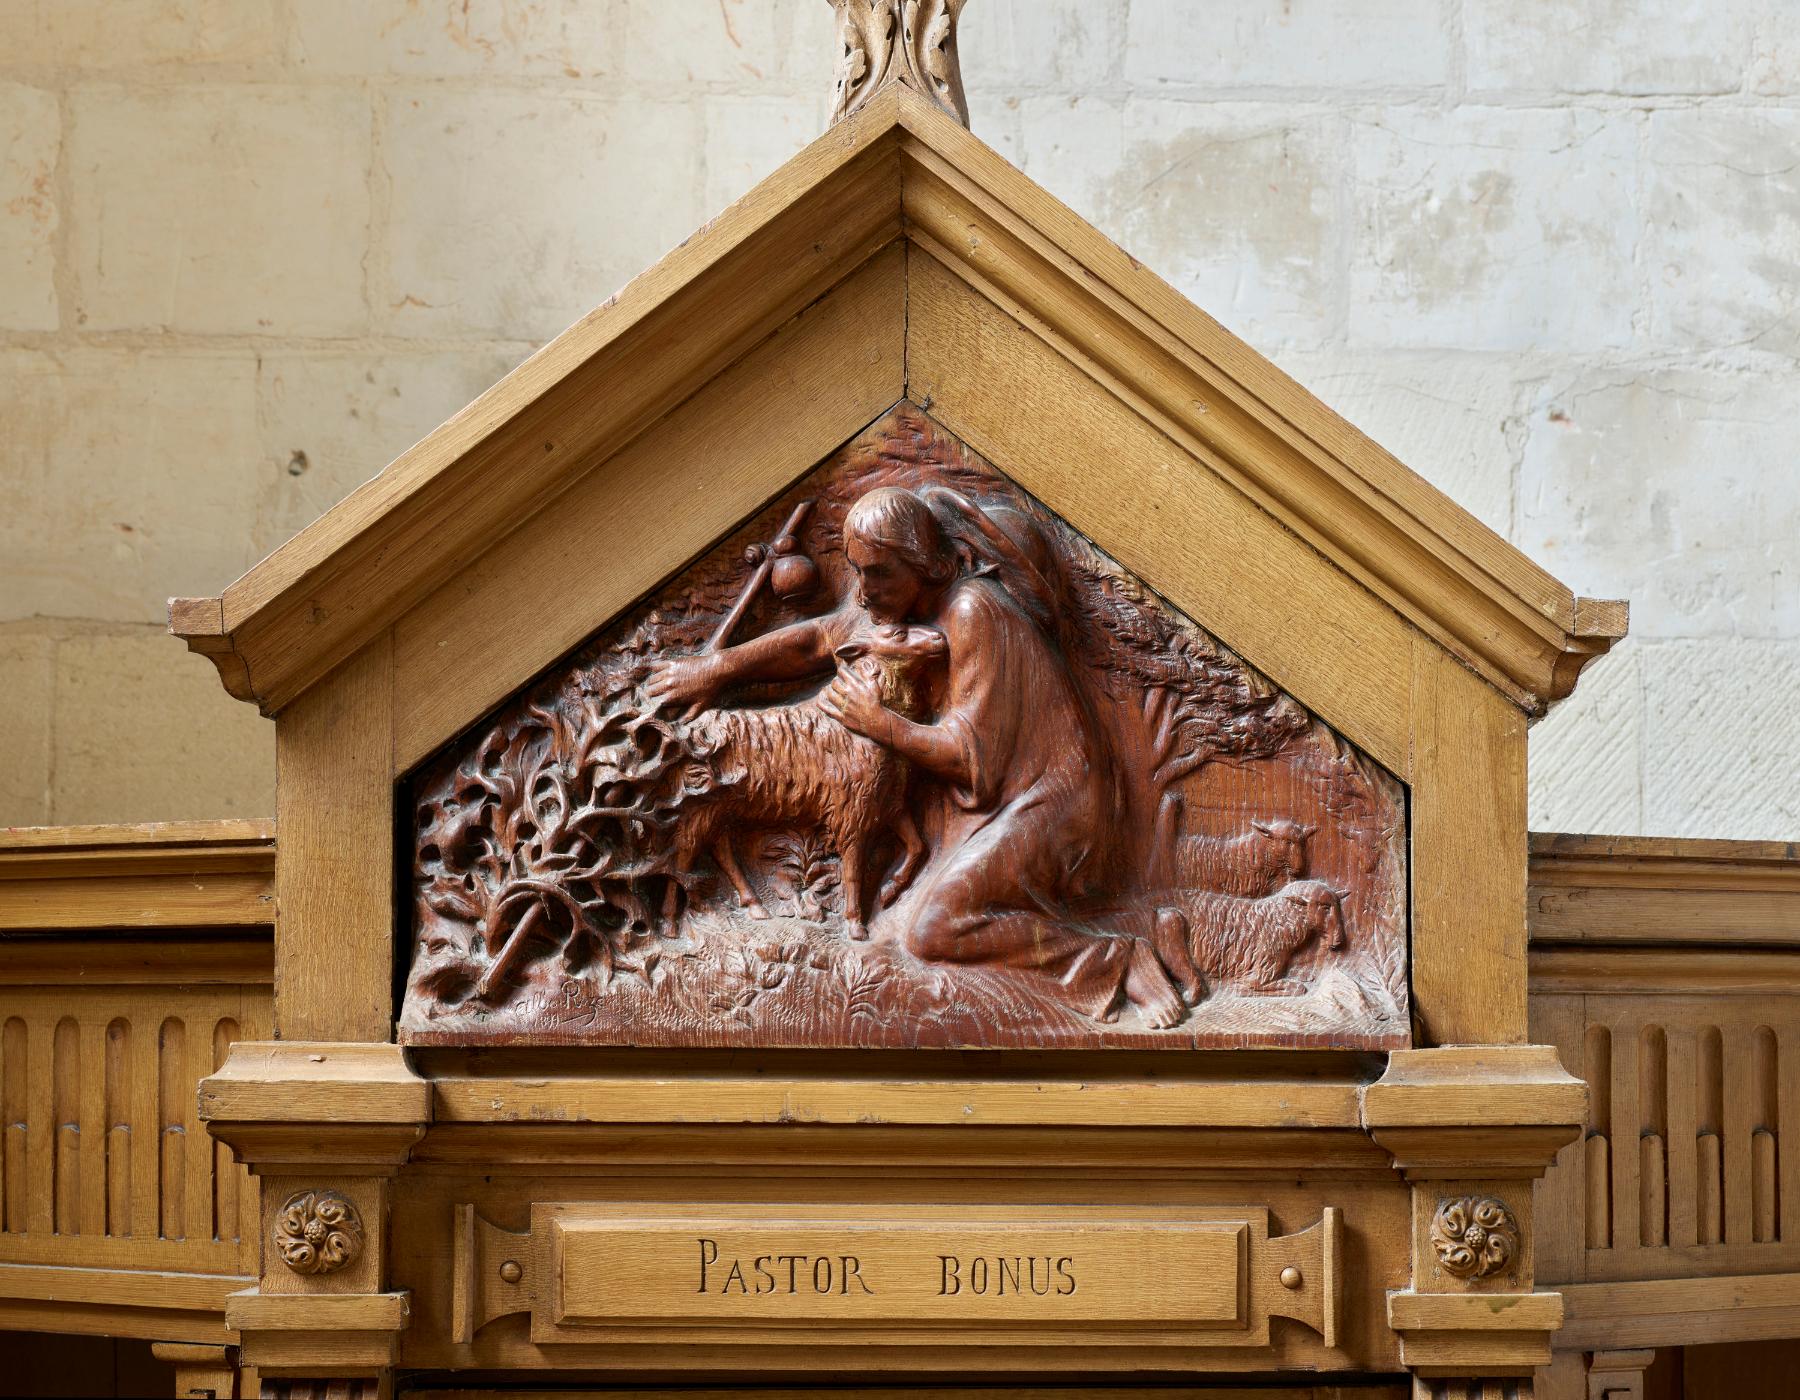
[(1244, 943)]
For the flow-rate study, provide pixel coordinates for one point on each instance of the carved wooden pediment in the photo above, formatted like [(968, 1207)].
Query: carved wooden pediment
[(906, 761), (897, 258)]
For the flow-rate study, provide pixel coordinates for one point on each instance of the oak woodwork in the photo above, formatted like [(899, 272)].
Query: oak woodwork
[(159, 875), (1388, 689), (1665, 971), (746, 435), (1688, 1037), (941, 1274), (1594, 890), (1474, 1236), (1361, 1388), (136, 957), (508, 1191), (202, 1371), (334, 919), (317, 1232)]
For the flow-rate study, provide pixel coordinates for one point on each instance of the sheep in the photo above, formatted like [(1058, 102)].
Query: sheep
[(1252, 863), (793, 765), (1246, 942)]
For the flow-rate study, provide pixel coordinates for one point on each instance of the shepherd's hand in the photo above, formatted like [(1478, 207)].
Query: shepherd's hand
[(688, 683), (854, 701)]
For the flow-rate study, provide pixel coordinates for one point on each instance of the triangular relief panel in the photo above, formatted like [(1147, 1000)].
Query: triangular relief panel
[(905, 762)]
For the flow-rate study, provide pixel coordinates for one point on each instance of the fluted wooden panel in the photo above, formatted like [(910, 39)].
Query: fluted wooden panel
[(103, 1160), (1687, 1165)]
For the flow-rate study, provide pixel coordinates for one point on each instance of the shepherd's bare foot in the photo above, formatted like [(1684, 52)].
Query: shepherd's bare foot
[(755, 910), (1169, 934), (859, 933), (1150, 990)]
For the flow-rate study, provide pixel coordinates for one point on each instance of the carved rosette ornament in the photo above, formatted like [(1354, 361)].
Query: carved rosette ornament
[(1474, 1236), (318, 1232), (906, 41)]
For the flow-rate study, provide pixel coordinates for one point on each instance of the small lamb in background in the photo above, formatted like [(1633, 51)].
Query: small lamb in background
[(1253, 863)]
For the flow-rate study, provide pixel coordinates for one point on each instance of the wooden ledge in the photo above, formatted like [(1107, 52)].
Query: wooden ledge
[(173, 875), (1481, 1111), (1475, 1086), (1680, 1311), (1653, 890), (1474, 1333), (252, 1310), (1474, 1312), (756, 1099), (300, 1081), (748, 1150)]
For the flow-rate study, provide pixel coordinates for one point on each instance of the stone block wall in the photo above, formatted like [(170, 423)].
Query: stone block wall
[(1548, 254)]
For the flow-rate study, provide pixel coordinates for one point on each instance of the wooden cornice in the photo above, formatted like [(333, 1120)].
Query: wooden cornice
[(161, 875), (1610, 890), (899, 168), (1203, 387), (587, 394)]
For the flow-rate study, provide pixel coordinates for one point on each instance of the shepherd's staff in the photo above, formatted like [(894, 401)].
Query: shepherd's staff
[(498, 972), (764, 563)]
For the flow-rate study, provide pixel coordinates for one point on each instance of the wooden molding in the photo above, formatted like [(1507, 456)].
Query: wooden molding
[(305, 1312), (1459, 582), (1680, 1312), (1663, 972), (112, 960), (1474, 1111), (766, 1150), (766, 1098), (587, 394), (898, 168), (1473, 1332), (294, 1081), (160, 875), (292, 1105), (1650, 890)]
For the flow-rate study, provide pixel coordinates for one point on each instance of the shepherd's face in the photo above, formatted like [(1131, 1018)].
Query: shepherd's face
[(886, 585)]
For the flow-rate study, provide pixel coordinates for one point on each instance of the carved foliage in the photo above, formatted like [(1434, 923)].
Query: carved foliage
[(317, 1232), (911, 41), (906, 761), (1474, 1236)]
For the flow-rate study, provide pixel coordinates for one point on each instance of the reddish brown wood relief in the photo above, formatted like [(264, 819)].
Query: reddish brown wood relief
[(906, 761)]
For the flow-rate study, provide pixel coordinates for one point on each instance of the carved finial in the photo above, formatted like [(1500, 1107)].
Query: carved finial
[(898, 41)]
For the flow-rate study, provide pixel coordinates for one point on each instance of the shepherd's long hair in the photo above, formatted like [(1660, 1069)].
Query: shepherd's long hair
[(899, 521)]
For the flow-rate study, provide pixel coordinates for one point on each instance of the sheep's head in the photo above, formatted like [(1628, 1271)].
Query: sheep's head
[(1324, 912), (1290, 838), (891, 654)]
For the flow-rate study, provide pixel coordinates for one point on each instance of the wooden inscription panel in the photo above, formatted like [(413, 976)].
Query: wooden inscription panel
[(1103, 1275), (893, 1272), (906, 762)]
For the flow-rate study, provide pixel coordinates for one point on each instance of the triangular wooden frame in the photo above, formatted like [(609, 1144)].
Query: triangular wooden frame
[(899, 171), (897, 256)]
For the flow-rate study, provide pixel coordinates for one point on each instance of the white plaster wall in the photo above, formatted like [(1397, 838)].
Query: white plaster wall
[(1547, 253)]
